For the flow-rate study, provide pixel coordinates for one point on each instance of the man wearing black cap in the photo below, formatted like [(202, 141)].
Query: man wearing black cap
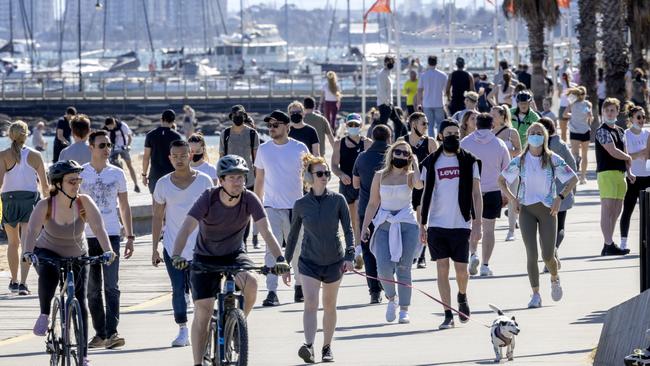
[(459, 82), (278, 183), (448, 224), (156, 150)]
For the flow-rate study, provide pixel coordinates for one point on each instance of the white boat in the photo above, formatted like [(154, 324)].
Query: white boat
[(260, 46)]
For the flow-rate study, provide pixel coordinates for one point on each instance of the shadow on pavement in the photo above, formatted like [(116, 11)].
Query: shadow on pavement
[(596, 317), (491, 361)]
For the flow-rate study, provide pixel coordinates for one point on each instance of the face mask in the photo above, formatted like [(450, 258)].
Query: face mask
[(197, 157), (390, 66), (238, 120), (535, 140), (610, 122), (636, 127), (572, 98), (451, 143), (296, 117), (400, 163), (354, 131)]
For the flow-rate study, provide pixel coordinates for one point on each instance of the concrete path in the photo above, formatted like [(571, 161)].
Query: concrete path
[(562, 333)]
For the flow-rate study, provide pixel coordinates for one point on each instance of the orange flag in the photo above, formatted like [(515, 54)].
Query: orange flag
[(380, 6), (563, 3)]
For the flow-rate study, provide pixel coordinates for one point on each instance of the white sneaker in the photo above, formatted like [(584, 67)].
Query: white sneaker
[(556, 290), (486, 271), (535, 301), (473, 264), (182, 339), (391, 310), (404, 317), (510, 236)]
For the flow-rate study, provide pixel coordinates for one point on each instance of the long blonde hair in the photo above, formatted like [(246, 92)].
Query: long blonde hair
[(18, 135), (546, 152), (504, 111), (579, 91), (332, 83), (388, 158)]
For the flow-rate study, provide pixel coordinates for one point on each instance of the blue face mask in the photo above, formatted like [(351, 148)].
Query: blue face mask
[(610, 122), (354, 131), (536, 140)]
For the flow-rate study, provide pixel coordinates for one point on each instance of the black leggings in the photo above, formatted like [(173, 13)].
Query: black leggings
[(561, 218), (48, 281), (631, 198)]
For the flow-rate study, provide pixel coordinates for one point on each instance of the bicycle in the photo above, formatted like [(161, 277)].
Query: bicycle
[(228, 331), (64, 340)]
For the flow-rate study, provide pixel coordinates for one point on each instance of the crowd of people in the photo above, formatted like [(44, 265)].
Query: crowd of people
[(437, 178)]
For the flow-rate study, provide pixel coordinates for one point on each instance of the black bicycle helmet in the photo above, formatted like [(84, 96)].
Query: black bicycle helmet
[(231, 164), (61, 168), (524, 96)]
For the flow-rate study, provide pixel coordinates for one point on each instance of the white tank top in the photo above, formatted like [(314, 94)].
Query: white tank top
[(502, 96), (395, 197), (635, 143), (21, 177)]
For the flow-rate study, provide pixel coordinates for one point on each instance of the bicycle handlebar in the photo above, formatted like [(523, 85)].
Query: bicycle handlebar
[(98, 259)]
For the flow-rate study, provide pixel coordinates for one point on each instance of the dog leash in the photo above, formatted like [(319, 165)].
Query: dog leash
[(447, 306)]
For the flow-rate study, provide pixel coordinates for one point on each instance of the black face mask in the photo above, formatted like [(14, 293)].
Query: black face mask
[(238, 120), (197, 157), (390, 66), (296, 117), (400, 163), (451, 143)]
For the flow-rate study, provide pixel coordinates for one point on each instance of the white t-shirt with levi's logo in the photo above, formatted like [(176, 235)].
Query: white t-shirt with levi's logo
[(444, 211)]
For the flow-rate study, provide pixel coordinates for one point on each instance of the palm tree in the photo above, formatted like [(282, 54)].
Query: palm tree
[(538, 14), (614, 48), (587, 34), (638, 20)]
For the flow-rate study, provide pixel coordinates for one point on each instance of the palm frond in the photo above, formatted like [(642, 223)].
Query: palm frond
[(546, 11)]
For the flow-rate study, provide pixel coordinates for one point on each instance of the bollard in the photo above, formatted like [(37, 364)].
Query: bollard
[(644, 235)]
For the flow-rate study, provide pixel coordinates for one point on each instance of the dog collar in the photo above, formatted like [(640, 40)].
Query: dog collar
[(503, 338)]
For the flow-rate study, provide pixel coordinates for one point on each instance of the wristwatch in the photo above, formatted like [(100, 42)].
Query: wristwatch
[(144, 175), (561, 196), (280, 259)]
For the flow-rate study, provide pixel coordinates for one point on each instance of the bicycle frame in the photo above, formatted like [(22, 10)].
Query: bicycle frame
[(226, 300)]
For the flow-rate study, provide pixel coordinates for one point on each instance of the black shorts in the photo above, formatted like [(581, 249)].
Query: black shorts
[(329, 273), (416, 198), (492, 205), (580, 136), (351, 195), (208, 285), (449, 243)]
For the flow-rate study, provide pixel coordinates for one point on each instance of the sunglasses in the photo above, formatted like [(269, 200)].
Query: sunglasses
[(353, 124), (536, 134), (403, 153), (322, 173), (74, 181), (274, 125), (104, 145), (640, 118)]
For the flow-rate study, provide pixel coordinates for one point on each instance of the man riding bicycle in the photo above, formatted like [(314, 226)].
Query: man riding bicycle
[(222, 215)]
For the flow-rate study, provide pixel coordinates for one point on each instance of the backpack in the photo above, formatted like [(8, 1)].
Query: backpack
[(226, 138)]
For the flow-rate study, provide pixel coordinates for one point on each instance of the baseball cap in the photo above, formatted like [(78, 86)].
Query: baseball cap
[(236, 108), (279, 116), (447, 123), (353, 117)]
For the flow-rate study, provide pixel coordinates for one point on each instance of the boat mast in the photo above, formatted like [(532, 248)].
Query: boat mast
[(286, 21), (241, 29), (204, 10), (146, 22), (329, 36), (349, 31), (11, 27), (223, 21), (104, 28), (79, 42)]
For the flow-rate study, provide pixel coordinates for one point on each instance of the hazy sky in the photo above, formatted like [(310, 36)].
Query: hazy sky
[(233, 5)]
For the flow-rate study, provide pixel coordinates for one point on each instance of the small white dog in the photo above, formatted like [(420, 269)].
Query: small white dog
[(502, 333)]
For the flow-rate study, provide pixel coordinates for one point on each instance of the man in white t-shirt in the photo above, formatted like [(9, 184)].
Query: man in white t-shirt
[(448, 224), (121, 138), (278, 182), (431, 87), (174, 196), (106, 185)]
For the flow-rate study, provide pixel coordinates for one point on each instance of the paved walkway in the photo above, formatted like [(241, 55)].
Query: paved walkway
[(562, 333)]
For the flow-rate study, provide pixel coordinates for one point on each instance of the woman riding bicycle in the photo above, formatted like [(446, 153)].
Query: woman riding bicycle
[(63, 217)]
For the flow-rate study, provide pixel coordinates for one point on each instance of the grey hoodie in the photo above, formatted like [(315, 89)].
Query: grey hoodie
[(492, 152)]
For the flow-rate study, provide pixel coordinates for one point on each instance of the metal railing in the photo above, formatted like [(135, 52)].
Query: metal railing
[(174, 87)]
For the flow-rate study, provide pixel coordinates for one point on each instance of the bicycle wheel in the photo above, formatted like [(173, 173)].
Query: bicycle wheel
[(53, 339), (211, 355), (235, 334), (74, 339)]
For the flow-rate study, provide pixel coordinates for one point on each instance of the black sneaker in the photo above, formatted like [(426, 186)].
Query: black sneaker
[(613, 249), (463, 307), (271, 299), (256, 245), (297, 294), (306, 353), (448, 323), (13, 287), (137, 189), (422, 263), (23, 290), (327, 354), (375, 297)]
